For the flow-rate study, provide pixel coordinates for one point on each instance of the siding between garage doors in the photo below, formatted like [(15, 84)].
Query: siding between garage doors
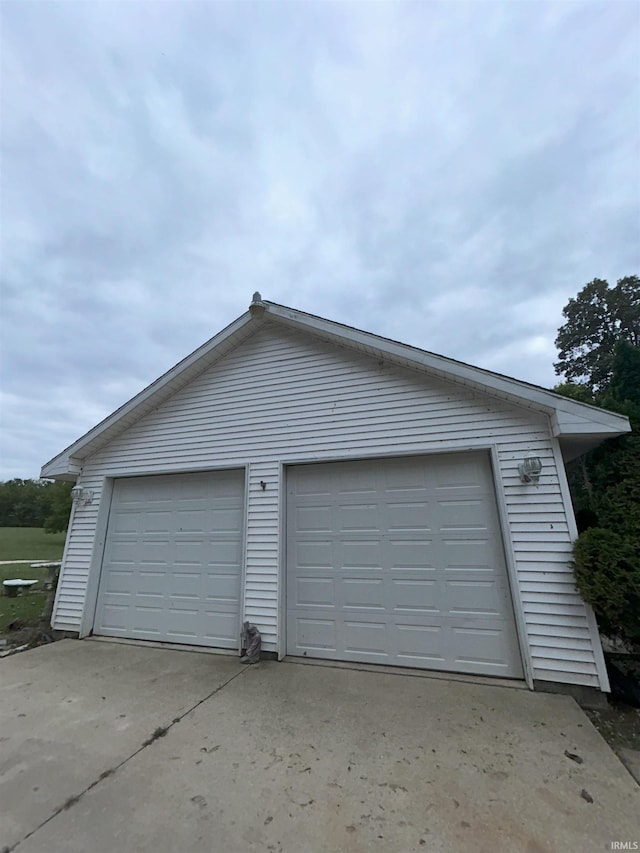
[(284, 397), (400, 561)]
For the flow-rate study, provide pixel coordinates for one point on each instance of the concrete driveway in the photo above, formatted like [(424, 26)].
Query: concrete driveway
[(108, 747)]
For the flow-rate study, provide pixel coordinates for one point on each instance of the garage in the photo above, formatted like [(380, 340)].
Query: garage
[(458, 527), (173, 559), (400, 561)]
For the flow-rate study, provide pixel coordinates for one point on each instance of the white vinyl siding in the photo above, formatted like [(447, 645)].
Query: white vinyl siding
[(284, 397), (262, 554)]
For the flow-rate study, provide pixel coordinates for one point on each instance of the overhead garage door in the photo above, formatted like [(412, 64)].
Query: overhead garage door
[(172, 560), (399, 561)]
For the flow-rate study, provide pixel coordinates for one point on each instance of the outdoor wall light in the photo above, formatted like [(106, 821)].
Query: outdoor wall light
[(81, 496), (529, 469)]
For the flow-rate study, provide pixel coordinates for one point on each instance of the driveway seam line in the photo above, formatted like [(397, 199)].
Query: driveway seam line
[(71, 801)]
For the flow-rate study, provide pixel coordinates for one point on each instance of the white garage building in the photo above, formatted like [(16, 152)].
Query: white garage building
[(355, 498)]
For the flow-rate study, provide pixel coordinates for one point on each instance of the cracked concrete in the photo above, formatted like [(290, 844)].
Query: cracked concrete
[(72, 711), (291, 757)]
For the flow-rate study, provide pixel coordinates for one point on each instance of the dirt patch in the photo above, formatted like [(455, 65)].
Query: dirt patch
[(619, 725), (619, 721), (27, 606), (29, 634)]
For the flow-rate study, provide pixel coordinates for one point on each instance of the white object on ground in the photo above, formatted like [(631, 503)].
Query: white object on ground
[(15, 585), (13, 650)]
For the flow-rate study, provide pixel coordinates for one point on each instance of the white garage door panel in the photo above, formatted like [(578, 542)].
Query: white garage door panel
[(399, 562), (172, 564)]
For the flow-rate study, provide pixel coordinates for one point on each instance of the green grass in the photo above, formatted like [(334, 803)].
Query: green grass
[(30, 543), (28, 605)]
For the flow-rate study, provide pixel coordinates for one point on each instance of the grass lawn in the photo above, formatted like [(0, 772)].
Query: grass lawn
[(30, 543), (26, 543), (28, 605)]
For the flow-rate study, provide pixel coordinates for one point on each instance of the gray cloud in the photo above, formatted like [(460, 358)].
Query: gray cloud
[(444, 174)]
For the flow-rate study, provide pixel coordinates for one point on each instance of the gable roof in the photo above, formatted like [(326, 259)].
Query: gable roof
[(578, 425)]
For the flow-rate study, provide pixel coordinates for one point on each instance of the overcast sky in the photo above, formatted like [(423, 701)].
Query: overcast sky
[(446, 174)]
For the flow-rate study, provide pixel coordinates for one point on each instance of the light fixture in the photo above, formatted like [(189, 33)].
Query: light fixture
[(529, 469), (81, 496)]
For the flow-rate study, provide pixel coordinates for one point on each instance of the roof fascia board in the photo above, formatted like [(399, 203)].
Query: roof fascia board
[(61, 468), (572, 423)]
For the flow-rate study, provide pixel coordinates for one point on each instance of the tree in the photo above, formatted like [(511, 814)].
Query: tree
[(624, 388), (576, 391), (58, 519), (24, 503), (35, 503), (606, 567), (605, 489), (596, 320)]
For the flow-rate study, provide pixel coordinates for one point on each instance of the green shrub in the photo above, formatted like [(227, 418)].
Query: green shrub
[(607, 570)]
